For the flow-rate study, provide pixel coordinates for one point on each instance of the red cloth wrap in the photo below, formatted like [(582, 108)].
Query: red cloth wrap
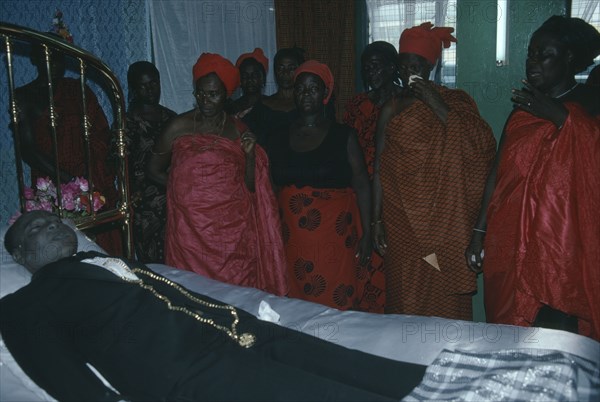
[(426, 41), (322, 71), (213, 63), (543, 233), (257, 55), (215, 226)]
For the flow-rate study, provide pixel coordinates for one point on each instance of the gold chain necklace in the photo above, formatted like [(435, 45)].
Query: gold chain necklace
[(220, 129), (245, 340)]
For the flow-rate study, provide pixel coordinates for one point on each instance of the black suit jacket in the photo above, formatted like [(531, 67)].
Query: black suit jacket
[(73, 313)]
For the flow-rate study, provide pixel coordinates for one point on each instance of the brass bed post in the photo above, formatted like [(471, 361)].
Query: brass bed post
[(15, 123), (86, 134), (123, 171), (120, 213), (53, 125)]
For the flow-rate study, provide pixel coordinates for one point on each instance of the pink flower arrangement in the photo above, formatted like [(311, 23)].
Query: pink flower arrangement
[(76, 200)]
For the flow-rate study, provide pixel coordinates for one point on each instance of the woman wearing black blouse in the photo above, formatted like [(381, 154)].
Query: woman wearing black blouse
[(324, 191)]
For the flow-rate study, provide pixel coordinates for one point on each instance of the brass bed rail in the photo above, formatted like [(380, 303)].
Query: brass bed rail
[(120, 213)]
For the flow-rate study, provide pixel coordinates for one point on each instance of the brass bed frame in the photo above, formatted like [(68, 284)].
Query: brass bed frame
[(120, 214)]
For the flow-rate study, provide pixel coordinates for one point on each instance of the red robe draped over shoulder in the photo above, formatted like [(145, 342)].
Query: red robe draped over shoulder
[(543, 234), (215, 226)]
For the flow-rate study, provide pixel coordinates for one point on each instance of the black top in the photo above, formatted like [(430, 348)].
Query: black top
[(265, 122), (326, 166)]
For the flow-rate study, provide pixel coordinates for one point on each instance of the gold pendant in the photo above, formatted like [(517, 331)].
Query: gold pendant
[(246, 340)]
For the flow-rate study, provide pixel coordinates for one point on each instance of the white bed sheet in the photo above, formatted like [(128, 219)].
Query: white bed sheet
[(411, 339)]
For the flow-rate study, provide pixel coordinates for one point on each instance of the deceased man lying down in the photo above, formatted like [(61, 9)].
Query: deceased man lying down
[(153, 340)]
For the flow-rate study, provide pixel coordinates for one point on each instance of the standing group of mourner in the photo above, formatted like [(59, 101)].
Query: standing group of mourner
[(374, 214)]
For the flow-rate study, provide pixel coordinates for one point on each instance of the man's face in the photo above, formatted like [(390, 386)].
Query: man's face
[(42, 239)]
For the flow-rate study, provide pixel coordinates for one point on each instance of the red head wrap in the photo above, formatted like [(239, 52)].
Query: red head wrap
[(319, 69), (213, 63), (257, 55), (426, 41)]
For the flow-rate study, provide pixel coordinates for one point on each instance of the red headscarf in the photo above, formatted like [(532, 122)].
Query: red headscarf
[(213, 63), (257, 55), (319, 69), (426, 41)]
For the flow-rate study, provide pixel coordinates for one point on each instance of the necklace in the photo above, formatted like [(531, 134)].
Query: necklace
[(220, 128), (245, 340), (567, 91)]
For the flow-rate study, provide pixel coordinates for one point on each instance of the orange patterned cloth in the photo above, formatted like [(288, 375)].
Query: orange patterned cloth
[(321, 230), (362, 114), (433, 177), (543, 233)]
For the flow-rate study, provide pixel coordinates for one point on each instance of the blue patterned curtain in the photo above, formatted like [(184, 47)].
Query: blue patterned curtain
[(116, 31)]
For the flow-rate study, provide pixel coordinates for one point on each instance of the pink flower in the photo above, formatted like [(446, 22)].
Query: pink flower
[(99, 201), (82, 183), (46, 205), (68, 201), (29, 193), (31, 205), (75, 197), (43, 183)]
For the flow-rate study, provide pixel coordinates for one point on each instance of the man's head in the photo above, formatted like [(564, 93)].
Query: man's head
[(38, 238)]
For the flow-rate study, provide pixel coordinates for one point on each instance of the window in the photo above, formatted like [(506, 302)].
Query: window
[(589, 11), (388, 18)]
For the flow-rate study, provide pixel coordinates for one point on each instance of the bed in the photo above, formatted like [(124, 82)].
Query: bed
[(465, 360)]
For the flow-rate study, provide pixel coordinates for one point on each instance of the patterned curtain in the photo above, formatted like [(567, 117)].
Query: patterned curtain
[(325, 29)]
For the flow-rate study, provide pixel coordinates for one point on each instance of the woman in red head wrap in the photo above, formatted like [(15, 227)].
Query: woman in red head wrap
[(433, 154), (319, 168), (222, 217), (253, 69)]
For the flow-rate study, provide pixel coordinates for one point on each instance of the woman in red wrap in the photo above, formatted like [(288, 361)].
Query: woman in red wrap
[(379, 66), (320, 172), (222, 217), (542, 246), (433, 154)]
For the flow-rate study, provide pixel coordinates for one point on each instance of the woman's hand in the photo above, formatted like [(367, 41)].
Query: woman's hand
[(379, 238), (474, 253), (365, 249), (532, 100), (425, 91), (248, 142)]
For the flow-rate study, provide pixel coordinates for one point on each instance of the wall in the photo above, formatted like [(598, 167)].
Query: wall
[(114, 30), (476, 66), (477, 72)]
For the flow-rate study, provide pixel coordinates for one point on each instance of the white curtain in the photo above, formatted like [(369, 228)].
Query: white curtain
[(587, 7), (183, 29), (388, 18)]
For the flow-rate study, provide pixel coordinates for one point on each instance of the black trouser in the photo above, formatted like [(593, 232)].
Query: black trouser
[(547, 317), (287, 365)]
